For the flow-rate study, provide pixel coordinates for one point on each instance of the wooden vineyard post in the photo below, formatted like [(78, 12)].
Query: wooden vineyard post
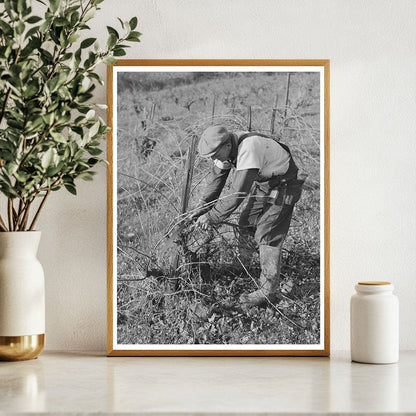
[(189, 170), (186, 191), (249, 118), (152, 112), (274, 109), (213, 110), (287, 95)]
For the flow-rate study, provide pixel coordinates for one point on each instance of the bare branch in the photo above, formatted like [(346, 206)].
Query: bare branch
[(32, 225)]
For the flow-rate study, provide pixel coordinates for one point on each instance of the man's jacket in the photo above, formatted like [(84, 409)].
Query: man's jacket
[(259, 159)]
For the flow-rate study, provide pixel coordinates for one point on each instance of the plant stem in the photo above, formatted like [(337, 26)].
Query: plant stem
[(39, 209), (10, 213), (17, 217), (20, 215), (26, 216), (2, 224)]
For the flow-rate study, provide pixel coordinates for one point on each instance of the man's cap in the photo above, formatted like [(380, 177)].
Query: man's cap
[(211, 140)]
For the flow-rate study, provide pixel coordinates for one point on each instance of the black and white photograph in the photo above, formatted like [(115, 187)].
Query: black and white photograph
[(218, 223)]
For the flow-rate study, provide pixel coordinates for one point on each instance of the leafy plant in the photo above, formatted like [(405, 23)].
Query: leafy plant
[(50, 134)]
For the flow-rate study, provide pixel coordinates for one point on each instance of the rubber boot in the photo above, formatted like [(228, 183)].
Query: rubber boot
[(270, 260)]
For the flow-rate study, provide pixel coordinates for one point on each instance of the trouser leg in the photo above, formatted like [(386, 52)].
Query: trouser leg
[(272, 228), (247, 224), (270, 263)]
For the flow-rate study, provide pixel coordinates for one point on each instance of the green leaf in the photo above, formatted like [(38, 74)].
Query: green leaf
[(27, 52), (134, 37), (67, 153), (31, 31), (33, 19), (94, 129), (63, 41), (61, 21), (96, 77), (27, 11), (64, 93), (21, 177), (78, 154), (90, 115), (48, 118), (85, 85), (92, 161), (8, 190), (121, 22), (94, 151), (20, 28), (77, 130), (133, 23), (67, 56), (53, 83), (89, 15), (70, 188), (31, 90), (21, 6), (46, 57), (34, 125), (87, 42), (47, 158), (112, 41), (58, 137), (5, 146), (54, 4), (52, 171), (112, 31), (11, 168), (80, 120), (74, 18), (16, 124), (86, 176), (73, 38), (63, 118), (119, 52), (10, 8), (110, 60), (82, 166), (5, 28)]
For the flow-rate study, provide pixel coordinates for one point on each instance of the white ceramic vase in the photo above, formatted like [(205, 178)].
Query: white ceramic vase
[(22, 296)]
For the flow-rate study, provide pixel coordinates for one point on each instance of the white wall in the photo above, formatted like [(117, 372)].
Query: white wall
[(371, 45)]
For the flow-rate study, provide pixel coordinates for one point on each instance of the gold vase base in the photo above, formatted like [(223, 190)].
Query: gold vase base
[(21, 348)]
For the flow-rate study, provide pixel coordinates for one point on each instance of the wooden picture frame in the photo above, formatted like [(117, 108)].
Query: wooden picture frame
[(155, 105)]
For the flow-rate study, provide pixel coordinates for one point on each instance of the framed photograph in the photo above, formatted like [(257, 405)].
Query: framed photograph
[(218, 208)]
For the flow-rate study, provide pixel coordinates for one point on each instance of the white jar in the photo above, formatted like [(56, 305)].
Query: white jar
[(374, 323)]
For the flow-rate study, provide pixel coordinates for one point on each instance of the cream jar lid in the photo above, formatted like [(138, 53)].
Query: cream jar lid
[(373, 287), (374, 283)]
